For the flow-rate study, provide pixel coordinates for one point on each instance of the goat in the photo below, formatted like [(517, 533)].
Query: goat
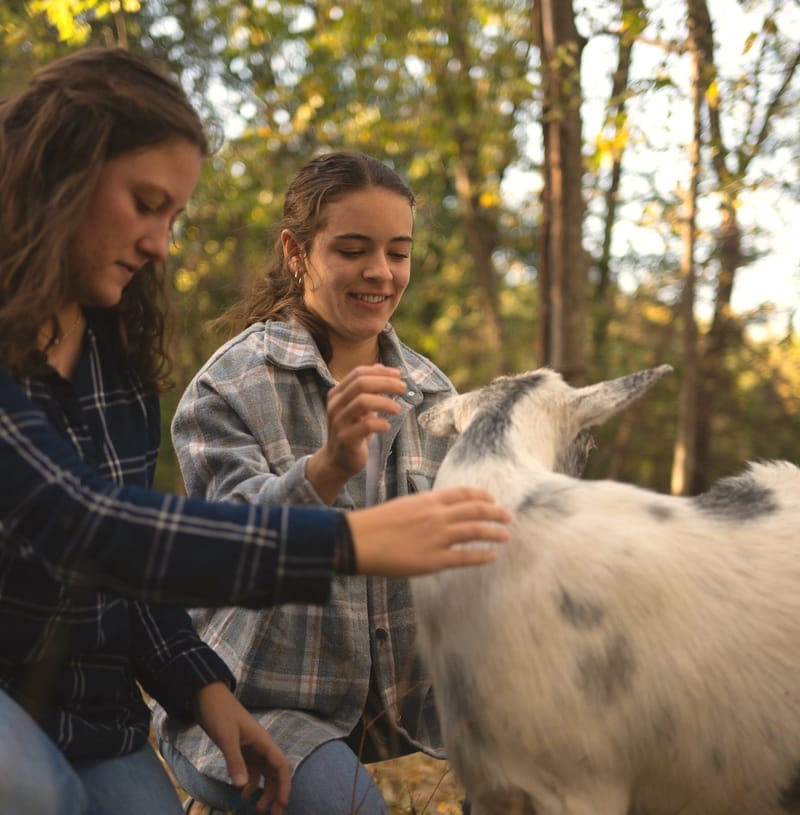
[(628, 652)]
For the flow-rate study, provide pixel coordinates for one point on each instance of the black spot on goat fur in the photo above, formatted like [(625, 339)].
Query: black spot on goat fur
[(486, 434), (580, 613), (665, 731), (545, 498), (739, 498), (659, 511), (606, 672), (789, 798), (717, 761)]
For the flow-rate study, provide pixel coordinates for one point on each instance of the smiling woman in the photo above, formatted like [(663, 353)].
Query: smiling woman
[(315, 401), (355, 271)]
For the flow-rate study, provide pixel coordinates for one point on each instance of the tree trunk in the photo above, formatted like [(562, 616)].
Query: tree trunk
[(480, 222), (728, 254), (730, 181), (562, 262), (683, 462)]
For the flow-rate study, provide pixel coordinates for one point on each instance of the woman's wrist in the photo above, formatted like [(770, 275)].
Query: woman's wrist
[(326, 480)]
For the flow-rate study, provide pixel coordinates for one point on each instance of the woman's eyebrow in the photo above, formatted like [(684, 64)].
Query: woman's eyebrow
[(358, 236)]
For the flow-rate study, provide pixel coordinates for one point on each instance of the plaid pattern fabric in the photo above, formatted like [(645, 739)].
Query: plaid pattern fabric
[(244, 430), (76, 459)]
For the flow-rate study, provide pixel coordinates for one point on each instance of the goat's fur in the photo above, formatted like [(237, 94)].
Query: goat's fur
[(628, 652)]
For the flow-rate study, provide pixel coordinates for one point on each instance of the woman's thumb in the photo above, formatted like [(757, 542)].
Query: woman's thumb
[(234, 760)]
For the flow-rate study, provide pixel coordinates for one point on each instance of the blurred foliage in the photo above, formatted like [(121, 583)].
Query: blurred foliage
[(431, 88)]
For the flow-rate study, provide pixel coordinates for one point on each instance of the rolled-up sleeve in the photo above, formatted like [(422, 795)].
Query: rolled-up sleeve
[(171, 662)]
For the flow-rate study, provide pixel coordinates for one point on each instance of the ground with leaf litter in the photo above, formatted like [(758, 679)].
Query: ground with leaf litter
[(418, 785)]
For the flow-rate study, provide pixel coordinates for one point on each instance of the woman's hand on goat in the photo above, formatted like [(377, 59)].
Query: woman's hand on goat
[(416, 534)]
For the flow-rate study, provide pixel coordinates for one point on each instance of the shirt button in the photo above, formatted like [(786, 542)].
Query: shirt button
[(381, 634)]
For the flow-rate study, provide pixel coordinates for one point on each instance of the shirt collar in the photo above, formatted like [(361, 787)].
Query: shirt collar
[(288, 344)]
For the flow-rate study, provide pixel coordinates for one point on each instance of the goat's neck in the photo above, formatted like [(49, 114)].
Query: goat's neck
[(505, 470)]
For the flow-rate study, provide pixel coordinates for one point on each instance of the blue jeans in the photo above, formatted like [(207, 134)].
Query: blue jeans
[(330, 781), (36, 778), (133, 784)]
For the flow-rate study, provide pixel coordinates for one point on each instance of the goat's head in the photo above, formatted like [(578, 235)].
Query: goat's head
[(536, 413)]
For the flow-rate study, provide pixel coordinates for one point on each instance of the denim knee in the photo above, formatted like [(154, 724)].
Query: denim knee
[(333, 780), (35, 778)]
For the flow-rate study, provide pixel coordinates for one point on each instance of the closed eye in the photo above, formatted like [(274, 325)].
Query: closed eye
[(144, 208), (352, 253)]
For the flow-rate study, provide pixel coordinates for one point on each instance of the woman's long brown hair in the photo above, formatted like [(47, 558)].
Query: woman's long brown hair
[(55, 136)]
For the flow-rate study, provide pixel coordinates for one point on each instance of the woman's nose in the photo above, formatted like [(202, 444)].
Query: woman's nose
[(155, 242), (378, 267)]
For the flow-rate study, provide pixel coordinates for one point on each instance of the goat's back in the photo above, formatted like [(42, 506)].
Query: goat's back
[(641, 642)]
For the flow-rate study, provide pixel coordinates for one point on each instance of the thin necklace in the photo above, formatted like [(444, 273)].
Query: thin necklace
[(56, 340)]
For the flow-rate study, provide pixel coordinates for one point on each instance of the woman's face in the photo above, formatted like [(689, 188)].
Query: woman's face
[(127, 223), (360, 263)]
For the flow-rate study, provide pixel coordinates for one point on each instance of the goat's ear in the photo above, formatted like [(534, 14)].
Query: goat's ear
[(439, 420), (595, 404)]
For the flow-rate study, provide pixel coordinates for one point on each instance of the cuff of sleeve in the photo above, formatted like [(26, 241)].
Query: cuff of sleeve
[(345, 556), (299, 490), (192, 672)]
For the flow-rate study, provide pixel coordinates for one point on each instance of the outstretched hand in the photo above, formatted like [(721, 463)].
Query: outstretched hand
[(252, 757), (416, 534)]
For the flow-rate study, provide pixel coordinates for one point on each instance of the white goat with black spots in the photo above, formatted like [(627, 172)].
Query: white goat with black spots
[(628, 653)]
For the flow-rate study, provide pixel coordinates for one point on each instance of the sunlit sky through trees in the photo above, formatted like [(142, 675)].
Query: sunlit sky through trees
[(656, 157), (775, 277)]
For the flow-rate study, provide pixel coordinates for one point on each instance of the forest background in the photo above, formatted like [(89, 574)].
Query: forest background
[(600, 183)]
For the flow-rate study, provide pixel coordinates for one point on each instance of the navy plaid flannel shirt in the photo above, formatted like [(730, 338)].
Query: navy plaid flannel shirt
[(79, 527)]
